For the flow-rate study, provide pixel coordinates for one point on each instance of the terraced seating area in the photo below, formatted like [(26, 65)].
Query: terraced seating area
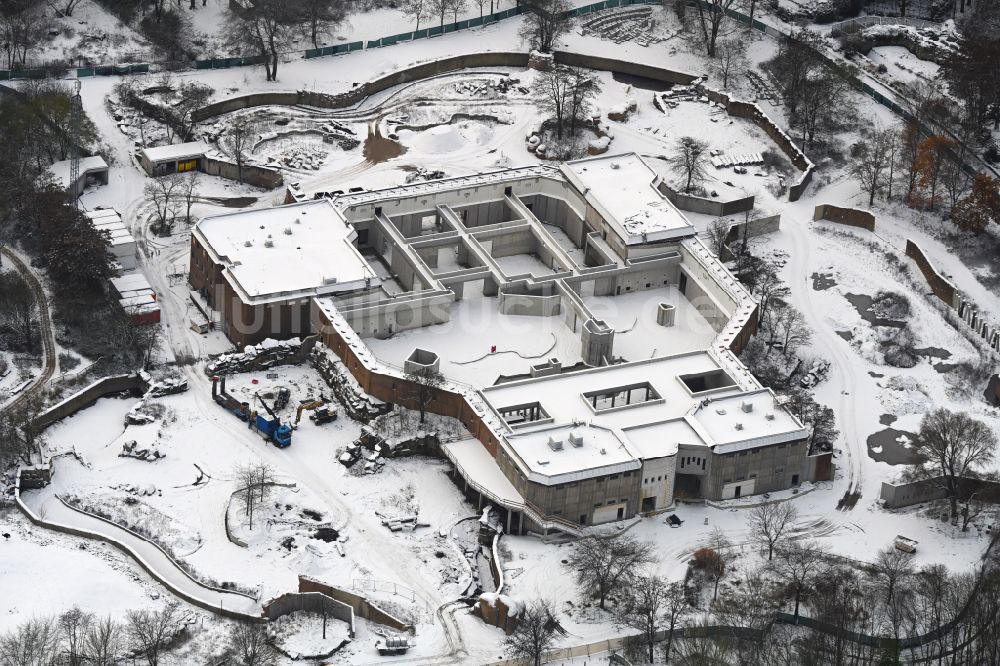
[(627, 25)]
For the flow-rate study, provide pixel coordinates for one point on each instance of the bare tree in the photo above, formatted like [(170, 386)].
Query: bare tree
[(163, 193), (731, 59), (264, 27), (536, 631), (552, 96), (892, 566), (20, 438), (689, 160), (319, 16), (18, 312), (482, 6), (264, 474), (34, 642), (21, 29), (955, 445), (425, 387), (647, 605), (64, 8), (718, 232), (418, 10), (73, 627), (871, 161), (544, 23), (770, 523), (583, 88), (248, 640), (604, 562), (149, 631), (799, 565), (456, 6), (243, 134), (247, 490), (104, 643), (675, 609), (789, 326), (710, 19), (438, 8)]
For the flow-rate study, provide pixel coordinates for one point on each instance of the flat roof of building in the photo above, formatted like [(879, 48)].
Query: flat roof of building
[(480, 467), (660, 439), (738, 421), (562, 396), (623, 189), (301, 248), (175, 151), (569, 452)]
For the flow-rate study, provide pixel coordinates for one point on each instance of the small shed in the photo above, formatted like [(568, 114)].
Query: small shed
[(175, 158), (123, 245), (93, 171), (137, 298)]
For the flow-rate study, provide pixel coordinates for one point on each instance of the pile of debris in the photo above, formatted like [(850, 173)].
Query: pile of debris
[(359, 405), (267, 354), (131, 450), (423, 174), (410, 523)]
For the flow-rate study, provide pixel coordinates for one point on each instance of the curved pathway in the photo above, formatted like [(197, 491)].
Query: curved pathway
[(45, 330), (51, 512)]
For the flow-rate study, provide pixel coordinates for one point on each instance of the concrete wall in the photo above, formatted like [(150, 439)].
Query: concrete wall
[(768, 469), (941, 287), (570, 501), (543, 301), (706, 206), (623, 67), (754, 113), (313, 602), (852, 217), (658, 481), (360, 604), (392, 316), (87, 397), (895, 496), (258, 176)]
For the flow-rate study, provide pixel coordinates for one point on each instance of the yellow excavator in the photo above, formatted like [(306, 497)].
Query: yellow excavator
[(322, 412)]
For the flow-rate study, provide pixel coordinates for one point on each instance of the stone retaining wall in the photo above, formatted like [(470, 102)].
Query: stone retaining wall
[(312, 602), (706, 206), (852, 217), (257, 176)]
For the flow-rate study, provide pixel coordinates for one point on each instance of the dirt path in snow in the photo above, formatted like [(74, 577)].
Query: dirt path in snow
[(45, 331), (843, 376)]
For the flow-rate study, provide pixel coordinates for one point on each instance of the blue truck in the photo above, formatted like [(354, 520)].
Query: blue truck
[(271, 428)]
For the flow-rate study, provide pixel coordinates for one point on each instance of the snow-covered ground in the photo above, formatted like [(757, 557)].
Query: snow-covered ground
[(191, 486)]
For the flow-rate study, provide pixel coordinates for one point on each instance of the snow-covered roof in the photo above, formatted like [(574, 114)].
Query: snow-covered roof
[(130, 282), (480, 467), (563, 453), (175, 151), (737, 422), (562, 396), (660, 438), (622, 188), (60, 170), (305, 248)]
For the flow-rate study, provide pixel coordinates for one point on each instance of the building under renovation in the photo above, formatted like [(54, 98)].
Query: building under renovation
[(637, 400)]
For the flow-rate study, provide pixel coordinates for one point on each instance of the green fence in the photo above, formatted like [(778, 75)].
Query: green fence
[(225, 63)]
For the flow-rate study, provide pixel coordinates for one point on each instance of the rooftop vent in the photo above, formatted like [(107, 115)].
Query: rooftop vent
[(769, 417), (269, 242), (576, 440), (614, 165), (288, 231), (298, 220), (720, 412), (247, 244), (543, 461), (747, 406), (604, 452), (555, 444), (739, 426)]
